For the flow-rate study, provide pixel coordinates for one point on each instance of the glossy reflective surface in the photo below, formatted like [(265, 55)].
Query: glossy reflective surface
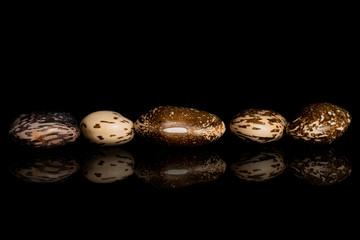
[(44, 168), (180, 168), (322, 167), (224, 165), (259, 165), (107, 165)]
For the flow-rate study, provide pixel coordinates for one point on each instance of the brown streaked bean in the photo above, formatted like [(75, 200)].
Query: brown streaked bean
[(258, 125)]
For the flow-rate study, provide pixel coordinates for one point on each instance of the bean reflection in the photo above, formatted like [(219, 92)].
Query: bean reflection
[(258, 165), (48, 167), (107, 165), (178, 168), (323, 167)]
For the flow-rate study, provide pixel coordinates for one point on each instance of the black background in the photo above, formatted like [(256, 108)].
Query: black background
[(218, 66)]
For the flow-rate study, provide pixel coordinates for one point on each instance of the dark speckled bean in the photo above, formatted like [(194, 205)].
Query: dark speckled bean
[(180, 126), (320, 123)]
